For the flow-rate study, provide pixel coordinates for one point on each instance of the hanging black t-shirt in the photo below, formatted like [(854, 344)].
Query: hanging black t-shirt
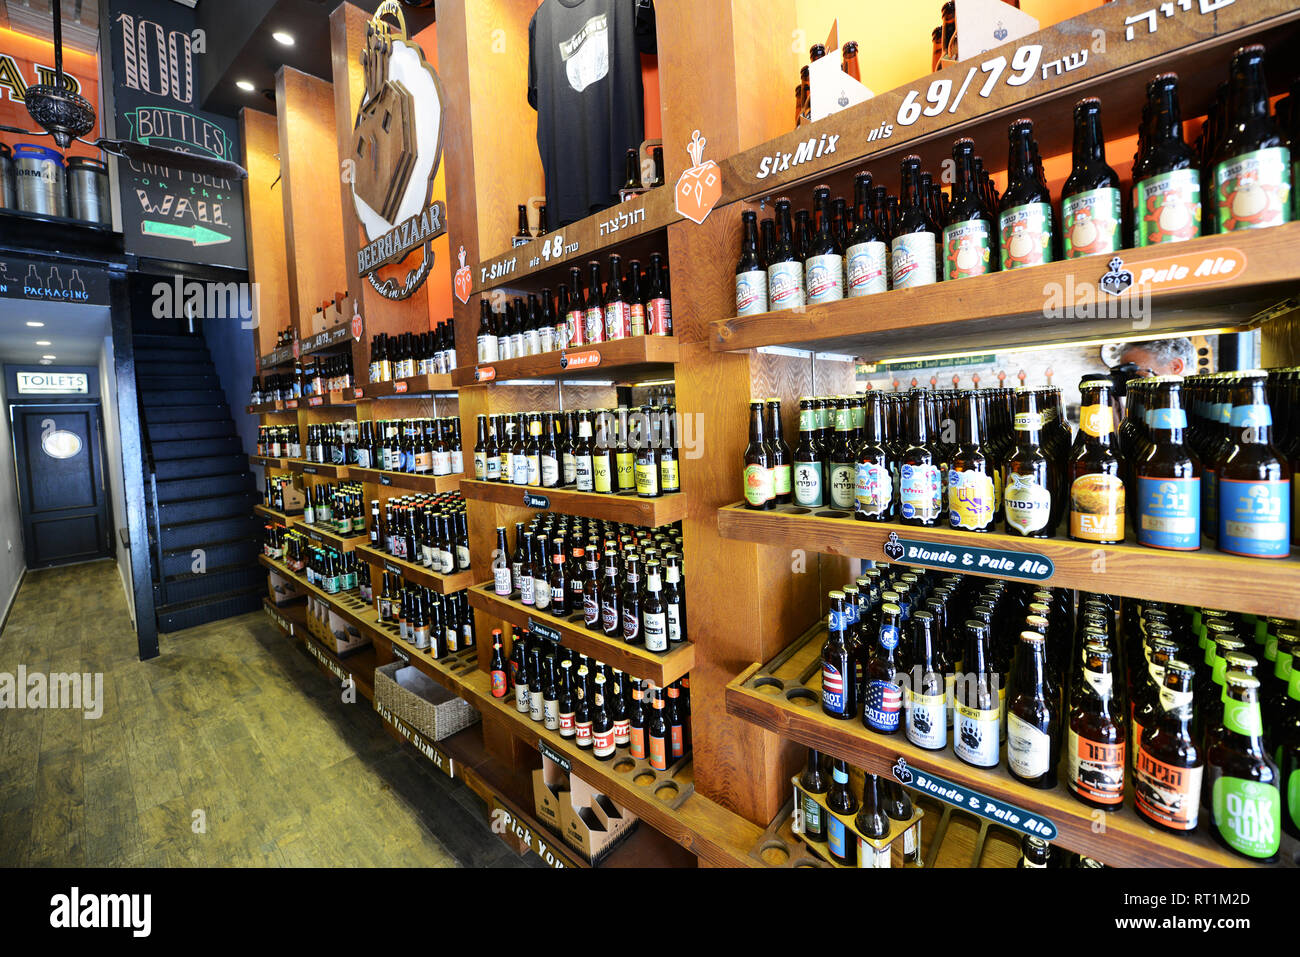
[(584, 80)]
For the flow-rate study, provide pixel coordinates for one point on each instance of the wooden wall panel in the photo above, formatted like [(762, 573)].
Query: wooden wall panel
[(264, 223)]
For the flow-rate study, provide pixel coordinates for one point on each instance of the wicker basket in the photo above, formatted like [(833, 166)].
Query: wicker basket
[(427, 707)]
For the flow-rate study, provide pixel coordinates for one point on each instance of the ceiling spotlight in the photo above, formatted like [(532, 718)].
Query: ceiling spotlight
[(45, 362), (49, 357), (44, 342), (33, 324), (245, 86), (282, 38)]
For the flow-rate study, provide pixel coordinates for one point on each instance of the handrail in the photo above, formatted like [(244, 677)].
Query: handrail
[(153, 516)]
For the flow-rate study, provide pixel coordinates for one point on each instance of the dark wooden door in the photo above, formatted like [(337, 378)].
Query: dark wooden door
[(61, 483)]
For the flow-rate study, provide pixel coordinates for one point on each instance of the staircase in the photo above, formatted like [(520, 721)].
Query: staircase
[(202, 529)]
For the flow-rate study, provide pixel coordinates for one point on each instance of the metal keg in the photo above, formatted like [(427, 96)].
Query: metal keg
[(6, 177), (39, 180), (88, 190)]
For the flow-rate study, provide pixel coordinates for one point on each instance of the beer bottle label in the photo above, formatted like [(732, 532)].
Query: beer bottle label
[(526, 595), (781, 479), (1096, 770), (911, 260), (550, 471), (834, 699), (784, 285), (480, 466), (970, 499), (647, 478), (808, 484), (1167, 794), (873, 490), (1026, 235), (967, 248), (659, 753), (674, 623), (1253, 190), (837, 837), (1254, 518), (582, 733), (575, 328), (1248, 815), (1090, 222), (609, 619), (551, 715), (1099, 420), (656, 632), (919, 486), (541, 593), (675, 740), (1027, 504), (636, 743), (590, 611), (534, 474), (659, 317), (812, 818), (601, 473), (568, 468), (363, 458), (670, 479), (867, 268), (1169, 512), (824, 278), (631, 625), (625, 463), (1293, 796), (602, 744), (567, 729), (1028, 748), (927, 723), (521, 698), (883, 705), (1168, 207), (622, 730), (1097, 508), (758, 484), (547, 336), (583, 478), (535, 705), (843, 484), (494, 468), (595, 325), (498, 684)]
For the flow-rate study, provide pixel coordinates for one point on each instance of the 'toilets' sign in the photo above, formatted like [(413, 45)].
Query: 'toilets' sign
[(53, 383)]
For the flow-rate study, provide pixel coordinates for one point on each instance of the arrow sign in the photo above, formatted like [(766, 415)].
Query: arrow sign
[(196, 235)]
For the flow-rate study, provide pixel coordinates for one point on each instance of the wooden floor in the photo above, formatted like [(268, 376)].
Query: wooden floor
[(231, 749)]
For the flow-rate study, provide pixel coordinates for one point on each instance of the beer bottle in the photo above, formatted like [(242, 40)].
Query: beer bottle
[(602, 726), (1167, 190), (1229, 656), (812, 782), (674, 598), (519, 665), (784, 269), (873, 822), (976, 695), (676, 723), (548, 452), (1096, 489), (582, 712), (969, 239), (1242, 778), (604, 468), (866, 255), (873, 497), (1254, 478), (808, 480), (1033, 717), (591, 586), (843, 472), (522, 235), (839, 669), (624, 454), (658, 297), (971, 493), (1288, 753), (751, 277), (593, 307), (824, 258), (1091, 208), (779, 453), (915, 243), (1026, 489), (759, 483), (840, 841), (487, 337), (575, 318), (926, 721), (654, 615), (920, 483), (610, 600), (1025, 210), (645, 468), (498, 666), (1167, 783), (1252, 164), (883, 703), (670, 479), (480, 450), (1035, 853), (630, 602), (568, 440), (557, 583), (636, 720), (583, 455), (550, 695), (1168, 475), (1285, 642), (1095, 743), (658, 734), (501, 579), (535, 682)]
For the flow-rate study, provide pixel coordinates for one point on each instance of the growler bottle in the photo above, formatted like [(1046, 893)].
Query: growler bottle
[(969, 239), (759, 483), (1095, 741), (1168, 474), (866, 254), (779, 453), (971, 490), (812, 782), (873, 822), (1091, 208), (1025, 233), (751, 277), (843, 458), (1033, 718), (920, 483), (915, 243), (1252, 164), (1167, 190), (873, 495), (784, 269), (824, 257), (1028, 480), (1095, 487), (882, 704), (808, 479), (925, 704), (1169, 767), (1253, 478), (839, 667), (1242, 779), (840, 841)]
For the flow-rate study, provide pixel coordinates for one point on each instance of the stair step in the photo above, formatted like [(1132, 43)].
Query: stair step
[(152, 399), (209, 609), (187, 413), (230, 483), (201, 467), (189, 448), (156, 341), (182, 365), (207, 507), (173, 431), (240, 551), (199, 534), (177, 381), (191, 587), (171, 355)]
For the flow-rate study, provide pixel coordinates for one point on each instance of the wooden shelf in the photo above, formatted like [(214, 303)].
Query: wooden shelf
[(262, 408), (620, 360), (279, 516), (1013, 308), (626, 507), (339, 398), (784, 697), (343, 543), (323, 469), (635, 660), (442, 584), (267, 461), (331, 338), (359, 665), (413, 386), (277, 357), (1206, 578), (630, 228), (408, 481)]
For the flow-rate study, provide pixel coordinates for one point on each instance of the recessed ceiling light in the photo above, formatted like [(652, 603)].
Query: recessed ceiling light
[(49, 357), (282, 38), (32, 324), (44, 342), (245, 86), (45, 362)]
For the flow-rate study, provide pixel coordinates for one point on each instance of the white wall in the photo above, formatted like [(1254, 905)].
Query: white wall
[(113, 467), (12, 562)]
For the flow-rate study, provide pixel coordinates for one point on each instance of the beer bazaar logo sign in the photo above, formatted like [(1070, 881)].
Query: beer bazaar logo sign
[(1025, 566), (397, 148)]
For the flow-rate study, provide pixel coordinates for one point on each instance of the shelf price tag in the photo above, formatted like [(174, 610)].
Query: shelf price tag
[(536, 501), (1025, 566), (309, 470), (485, 374), (399, 386), (358, 393), (544, 631), (392, 569), (551, 754), (291, 404), (968, 799), (385, 480), (316, 400), (400, 655), (586, 359)]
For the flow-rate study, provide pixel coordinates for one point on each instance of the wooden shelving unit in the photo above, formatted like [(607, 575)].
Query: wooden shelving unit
[(622, 360), (635, 660), (344, 543), (407, 481), (626, 507), (416, 385), (1206, 578), (443, 584), (323, 469), (358, 667), (283, 517), (267, 461), (339, 398)]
